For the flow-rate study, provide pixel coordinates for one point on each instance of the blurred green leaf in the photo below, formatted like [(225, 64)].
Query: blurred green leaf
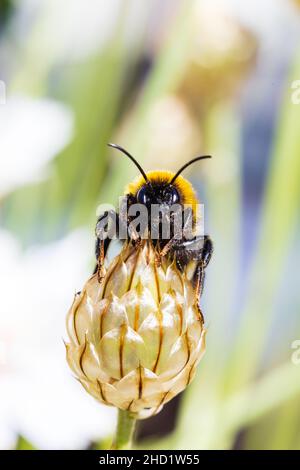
[(24, 444), (163, 78), (6, 7), (202, 402), (67, 199), (218, 422), (279, 216)]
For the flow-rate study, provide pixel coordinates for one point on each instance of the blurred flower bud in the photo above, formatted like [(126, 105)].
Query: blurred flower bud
[(173, 133), (296, 2), (136, 338), (220, 54)]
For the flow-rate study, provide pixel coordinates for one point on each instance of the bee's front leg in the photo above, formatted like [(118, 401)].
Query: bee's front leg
[(134, 236), (105, 231), (126, 222), (179, 232)]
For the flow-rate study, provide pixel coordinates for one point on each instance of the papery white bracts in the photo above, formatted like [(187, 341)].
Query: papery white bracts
[(136, 338)]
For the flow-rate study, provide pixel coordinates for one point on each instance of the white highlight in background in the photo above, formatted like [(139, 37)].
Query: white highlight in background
[(296, 94), (296, 354), (2, 92), (3, 354), (33, 131)]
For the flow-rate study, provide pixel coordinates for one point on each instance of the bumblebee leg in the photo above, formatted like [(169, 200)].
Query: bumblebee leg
[(198, 279), (197, 249), (199, 275), (100, 266), (207, 250), (126, 227), (104, 235), (175, 240), (167, 248), (134, 236)]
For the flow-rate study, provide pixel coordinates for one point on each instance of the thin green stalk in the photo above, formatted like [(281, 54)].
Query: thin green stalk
[(125, 430)]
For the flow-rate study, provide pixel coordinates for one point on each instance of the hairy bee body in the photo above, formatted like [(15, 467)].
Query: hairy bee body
[(157, 191)]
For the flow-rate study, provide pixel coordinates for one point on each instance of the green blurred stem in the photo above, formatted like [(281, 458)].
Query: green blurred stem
[(125, 430)]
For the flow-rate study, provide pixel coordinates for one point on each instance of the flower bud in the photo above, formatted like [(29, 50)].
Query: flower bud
[(137, 337)]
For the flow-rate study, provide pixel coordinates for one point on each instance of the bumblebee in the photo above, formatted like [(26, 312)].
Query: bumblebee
[(165, 190)]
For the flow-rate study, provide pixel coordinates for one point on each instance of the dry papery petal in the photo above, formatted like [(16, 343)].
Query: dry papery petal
[(136, 338)]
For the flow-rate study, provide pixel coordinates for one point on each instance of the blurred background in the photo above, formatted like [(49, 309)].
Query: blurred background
[(167, 80)]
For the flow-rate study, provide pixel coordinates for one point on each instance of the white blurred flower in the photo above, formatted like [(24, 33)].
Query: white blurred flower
[(39, 397), (32, 131), (71, 29)]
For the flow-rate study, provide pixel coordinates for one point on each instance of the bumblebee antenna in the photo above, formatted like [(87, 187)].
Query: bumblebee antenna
[(196, 159), (121, 149)]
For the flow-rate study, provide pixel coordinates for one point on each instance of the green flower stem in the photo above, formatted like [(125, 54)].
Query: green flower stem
[(125, 430)]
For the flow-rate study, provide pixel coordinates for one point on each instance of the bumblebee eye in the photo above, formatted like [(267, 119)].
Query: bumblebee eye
[(143, 196), (174, 195)]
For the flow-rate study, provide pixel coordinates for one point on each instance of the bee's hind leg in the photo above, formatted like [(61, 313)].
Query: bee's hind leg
[(198, 249), (199, 274), (198, 280)]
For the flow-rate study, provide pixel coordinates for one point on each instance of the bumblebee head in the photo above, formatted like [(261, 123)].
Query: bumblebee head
[(164, 188), (160, 189)]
